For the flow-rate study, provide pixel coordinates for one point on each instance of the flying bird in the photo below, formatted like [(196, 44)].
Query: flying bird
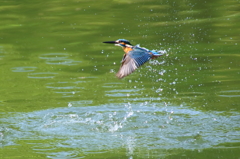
[(134, 57)]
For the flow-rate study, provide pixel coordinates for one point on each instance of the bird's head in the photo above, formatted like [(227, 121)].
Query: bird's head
[(120, 42)]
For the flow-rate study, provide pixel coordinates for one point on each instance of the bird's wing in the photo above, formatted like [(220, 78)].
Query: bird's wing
[(132, 60)]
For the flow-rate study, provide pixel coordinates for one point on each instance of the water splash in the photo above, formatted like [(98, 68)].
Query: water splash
[(137, 127)]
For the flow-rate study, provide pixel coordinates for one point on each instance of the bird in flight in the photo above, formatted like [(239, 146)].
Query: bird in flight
[(134, 57)]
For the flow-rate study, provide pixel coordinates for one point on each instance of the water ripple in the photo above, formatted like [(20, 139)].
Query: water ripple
[(67, 89), (41, 75), (230, 93), (58, 59), (23, 69)]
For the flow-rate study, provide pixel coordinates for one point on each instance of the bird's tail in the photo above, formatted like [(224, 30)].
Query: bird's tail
[(157, 53)]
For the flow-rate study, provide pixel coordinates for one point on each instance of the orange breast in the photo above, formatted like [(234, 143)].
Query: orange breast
[(127, 49)]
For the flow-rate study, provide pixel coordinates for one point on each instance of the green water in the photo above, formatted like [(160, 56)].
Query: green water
[(60, 97)]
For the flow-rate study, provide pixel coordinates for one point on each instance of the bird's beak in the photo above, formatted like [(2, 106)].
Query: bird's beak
[(110, 42)]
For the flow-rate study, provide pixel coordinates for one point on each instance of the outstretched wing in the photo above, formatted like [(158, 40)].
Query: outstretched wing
[(132, 60)]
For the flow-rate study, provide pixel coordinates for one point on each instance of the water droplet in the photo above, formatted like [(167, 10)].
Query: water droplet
[(69, 104)]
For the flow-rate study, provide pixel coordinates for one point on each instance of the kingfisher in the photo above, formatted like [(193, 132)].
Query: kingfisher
[(134, 57)]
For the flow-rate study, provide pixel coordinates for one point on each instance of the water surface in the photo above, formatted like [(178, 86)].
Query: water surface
[(60, 97)]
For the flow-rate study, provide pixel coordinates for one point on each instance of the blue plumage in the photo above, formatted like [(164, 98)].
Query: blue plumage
[(134, 57)]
